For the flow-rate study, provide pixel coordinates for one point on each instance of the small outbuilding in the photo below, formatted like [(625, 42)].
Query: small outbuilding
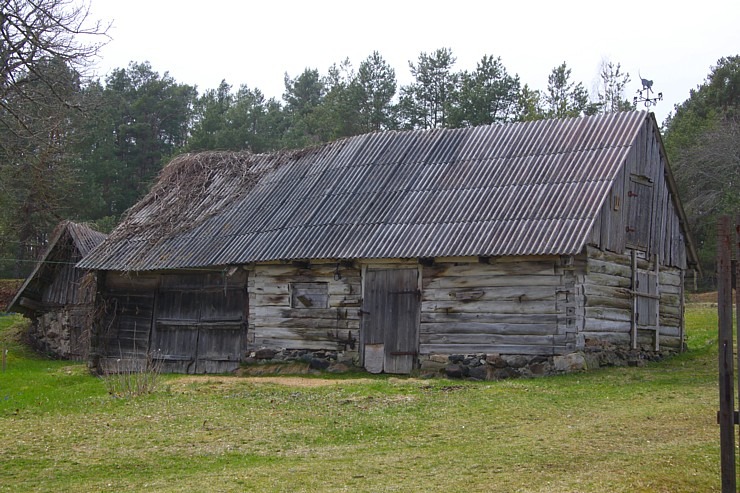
[(57, 297), (515, 244)]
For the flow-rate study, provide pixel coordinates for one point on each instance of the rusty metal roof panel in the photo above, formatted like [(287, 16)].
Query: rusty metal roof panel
[(517, 189)]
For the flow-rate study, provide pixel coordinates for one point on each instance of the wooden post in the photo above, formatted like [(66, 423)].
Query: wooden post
[(657, 302), (726, 416), (633, 318), (737, 293)]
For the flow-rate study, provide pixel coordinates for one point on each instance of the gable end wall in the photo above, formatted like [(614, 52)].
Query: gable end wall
[(640, 211)]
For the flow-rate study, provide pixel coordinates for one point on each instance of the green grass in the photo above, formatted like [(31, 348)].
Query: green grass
[(646, 429)]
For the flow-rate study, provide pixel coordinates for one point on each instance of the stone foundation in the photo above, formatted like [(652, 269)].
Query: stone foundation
[(331, 361), (499, 367), (470, 366), (60, 334)]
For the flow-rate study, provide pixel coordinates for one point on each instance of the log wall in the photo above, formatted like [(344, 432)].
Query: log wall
[(512, 305), (323, 315), (607, 288)]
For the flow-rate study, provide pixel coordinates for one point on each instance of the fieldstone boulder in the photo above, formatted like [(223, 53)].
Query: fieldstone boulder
[(570, 362), (265, 353)]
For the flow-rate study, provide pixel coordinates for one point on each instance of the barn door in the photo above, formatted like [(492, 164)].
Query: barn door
[(175, 335), (390, 322), (200, 322), (222, 325)]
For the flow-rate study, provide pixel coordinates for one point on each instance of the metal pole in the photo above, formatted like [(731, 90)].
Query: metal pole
[(726, 415)]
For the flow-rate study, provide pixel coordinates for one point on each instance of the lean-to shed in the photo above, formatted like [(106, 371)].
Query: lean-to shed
[(55, 297), (398, 248)]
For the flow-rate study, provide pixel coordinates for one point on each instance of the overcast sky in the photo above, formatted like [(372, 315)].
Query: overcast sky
[(255, 43)]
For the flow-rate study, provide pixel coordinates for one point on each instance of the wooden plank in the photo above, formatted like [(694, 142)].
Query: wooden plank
[(263, 287), (495, 268), (282, 312), (656, 292), (602, 290), (308, 323), (608, 302), (600, 325), (633, 319), (610, 257), (608, 280), (608, 314), (493, 293), (524, 307), (289, 343), (314, 270), (374, 357), (504, 318), (608, 267), (487, 339), (670, 278), (725, 246), (327, 334), (488, 328), (610, 337), (492, 281), (527, 349)]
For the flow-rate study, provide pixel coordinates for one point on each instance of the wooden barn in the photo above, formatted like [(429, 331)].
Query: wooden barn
[(393, 249), (54, 295)]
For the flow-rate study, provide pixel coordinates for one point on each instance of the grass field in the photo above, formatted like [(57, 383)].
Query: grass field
[(649, 429)]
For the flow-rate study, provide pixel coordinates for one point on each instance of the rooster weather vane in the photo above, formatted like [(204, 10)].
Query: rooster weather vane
[(644, 94)]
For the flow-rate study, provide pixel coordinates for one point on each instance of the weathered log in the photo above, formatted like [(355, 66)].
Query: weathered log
[(487, 328), (524, 307), (504, 318), (491, 281), (489, 348), (490, 293), (486, 339)]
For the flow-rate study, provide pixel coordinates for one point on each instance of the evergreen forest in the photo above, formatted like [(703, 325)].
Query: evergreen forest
[(84, 149)]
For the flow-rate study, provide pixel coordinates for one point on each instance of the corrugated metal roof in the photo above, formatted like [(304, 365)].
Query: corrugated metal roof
[(84, 238), (519, 189)]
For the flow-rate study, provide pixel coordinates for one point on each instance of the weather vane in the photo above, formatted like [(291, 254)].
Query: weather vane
[(643, 95)]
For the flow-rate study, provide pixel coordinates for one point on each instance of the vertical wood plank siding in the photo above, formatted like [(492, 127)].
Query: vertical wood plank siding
[(640, 210)]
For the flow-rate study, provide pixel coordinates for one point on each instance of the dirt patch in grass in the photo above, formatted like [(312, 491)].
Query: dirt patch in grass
[(708, 297), (287, 381)]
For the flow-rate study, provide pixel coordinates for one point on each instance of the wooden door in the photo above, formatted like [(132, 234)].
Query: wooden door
[(390, 322), (201, 322), (175, 335), (639, 212), (221, 328)]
